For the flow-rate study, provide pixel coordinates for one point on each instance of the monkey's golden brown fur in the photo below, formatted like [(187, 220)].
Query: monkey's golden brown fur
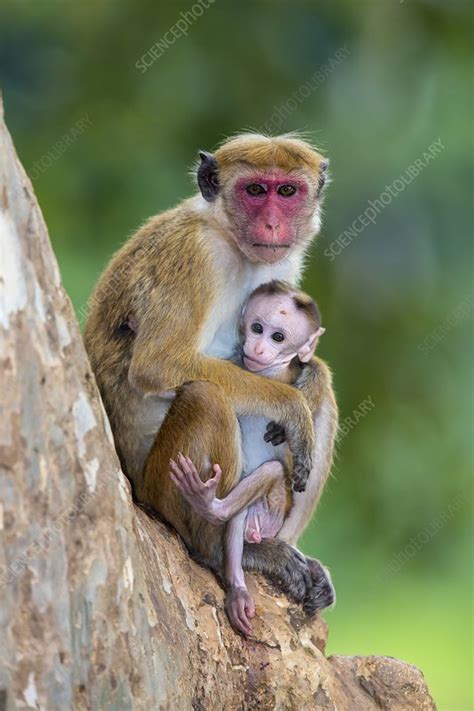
[(281, 152), (183, 278)]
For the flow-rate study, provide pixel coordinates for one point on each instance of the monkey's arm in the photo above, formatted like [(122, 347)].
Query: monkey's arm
[(312, 382), (325, 425), (158, 365), (239, 605)]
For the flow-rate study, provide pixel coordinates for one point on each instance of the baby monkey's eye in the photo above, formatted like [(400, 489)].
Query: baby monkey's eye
[(278, 337), (255, 189), (286, 190), (257, 327)]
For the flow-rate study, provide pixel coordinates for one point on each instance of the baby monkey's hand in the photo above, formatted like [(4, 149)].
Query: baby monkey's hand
[(275, 434), (301, 465)]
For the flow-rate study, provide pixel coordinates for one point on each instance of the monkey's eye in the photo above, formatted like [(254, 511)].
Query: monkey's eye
[(286, 190), (255, 189), (256, 327), (278, 337)]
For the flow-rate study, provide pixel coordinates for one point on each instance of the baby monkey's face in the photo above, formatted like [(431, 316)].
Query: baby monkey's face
[(275, 331)]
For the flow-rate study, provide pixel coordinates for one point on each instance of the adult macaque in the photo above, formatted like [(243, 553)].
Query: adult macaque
[(281, 328), (183, 279)]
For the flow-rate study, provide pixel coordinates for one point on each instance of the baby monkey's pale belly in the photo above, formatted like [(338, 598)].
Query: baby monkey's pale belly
[(266, 515), (255, 451)]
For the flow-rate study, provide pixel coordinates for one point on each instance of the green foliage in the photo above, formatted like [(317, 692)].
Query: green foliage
[(396, 300)]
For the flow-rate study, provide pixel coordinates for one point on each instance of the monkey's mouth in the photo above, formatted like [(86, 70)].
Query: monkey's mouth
[(271, 246), (253, 364)]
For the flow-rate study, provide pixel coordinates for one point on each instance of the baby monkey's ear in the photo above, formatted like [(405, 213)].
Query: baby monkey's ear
[(306, 352)]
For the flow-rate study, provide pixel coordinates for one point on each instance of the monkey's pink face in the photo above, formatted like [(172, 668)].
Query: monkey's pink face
[(275, 331), (272, 209)]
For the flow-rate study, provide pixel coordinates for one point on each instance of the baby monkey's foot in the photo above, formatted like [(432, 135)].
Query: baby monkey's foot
[(240, 609), (200, 495)]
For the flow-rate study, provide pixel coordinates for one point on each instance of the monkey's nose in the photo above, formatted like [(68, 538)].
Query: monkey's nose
[(272, 227)]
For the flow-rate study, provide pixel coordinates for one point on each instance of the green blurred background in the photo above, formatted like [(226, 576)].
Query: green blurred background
[(394, 523)]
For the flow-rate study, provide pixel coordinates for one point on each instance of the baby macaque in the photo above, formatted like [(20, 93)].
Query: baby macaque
[(281, 328)]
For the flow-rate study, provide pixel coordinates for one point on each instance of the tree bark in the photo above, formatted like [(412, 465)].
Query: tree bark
[(101, 606)]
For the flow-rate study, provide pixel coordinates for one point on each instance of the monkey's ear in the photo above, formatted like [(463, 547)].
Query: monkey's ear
[(306, 352), (207, 176), (323, 167)]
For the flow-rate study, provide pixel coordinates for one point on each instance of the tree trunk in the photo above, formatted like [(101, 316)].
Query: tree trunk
[(101, 606)]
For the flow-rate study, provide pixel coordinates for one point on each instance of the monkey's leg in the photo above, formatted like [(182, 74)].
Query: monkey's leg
[(239, 605), (201, 423), (265, 517), (284, 565), (201, 496), (304, 505), (322, 594)]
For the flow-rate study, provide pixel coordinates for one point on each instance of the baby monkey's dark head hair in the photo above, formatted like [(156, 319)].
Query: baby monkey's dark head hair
[(302, 301)]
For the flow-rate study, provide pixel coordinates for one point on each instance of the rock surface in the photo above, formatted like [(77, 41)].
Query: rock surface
[(101, 607)]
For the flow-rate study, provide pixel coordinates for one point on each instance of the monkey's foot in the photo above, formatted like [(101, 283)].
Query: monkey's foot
[(200, 495), (298, 581), (282, 564), (322, 594), (240, 609)]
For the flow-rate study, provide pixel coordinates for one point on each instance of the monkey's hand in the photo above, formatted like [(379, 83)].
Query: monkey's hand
[(275, 434), (240, 609), (200, 495), (301, 470), (299, 430)]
